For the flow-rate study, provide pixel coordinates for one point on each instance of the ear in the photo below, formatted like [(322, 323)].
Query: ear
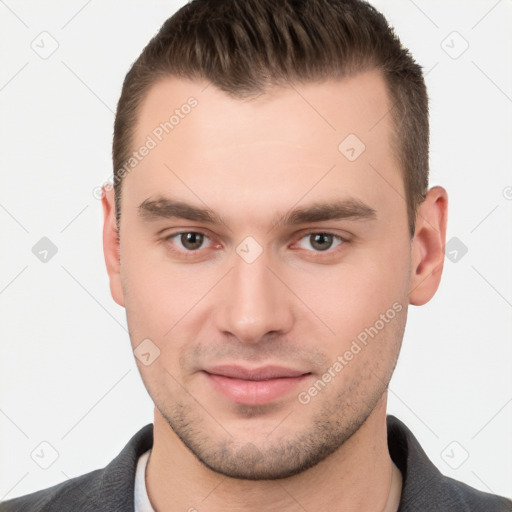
[(428, 246), (111, 244)]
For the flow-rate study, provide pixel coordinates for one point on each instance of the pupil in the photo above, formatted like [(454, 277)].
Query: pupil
[(192, 240), (321, 238)]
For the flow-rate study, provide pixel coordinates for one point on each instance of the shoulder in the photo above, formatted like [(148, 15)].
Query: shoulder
[(77, 492), (457, 495), (108, 489), (425, 488)]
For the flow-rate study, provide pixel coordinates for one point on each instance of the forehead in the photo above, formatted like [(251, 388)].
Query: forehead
[(287, 140), (356, 104)]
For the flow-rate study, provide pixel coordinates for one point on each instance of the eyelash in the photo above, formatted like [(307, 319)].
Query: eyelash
[(194, 253)]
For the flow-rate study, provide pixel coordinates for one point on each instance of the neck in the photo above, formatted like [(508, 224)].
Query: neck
[(360, 475)]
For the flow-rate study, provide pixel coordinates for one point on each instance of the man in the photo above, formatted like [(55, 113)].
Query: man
[(269, 224)]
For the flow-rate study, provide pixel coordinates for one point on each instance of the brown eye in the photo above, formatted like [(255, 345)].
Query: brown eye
[(187, 241), (191, 241)]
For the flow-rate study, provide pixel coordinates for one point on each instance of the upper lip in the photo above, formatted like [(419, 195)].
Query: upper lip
[(261, 373)]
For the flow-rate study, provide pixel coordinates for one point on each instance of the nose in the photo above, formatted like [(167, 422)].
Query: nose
[(253, 303)]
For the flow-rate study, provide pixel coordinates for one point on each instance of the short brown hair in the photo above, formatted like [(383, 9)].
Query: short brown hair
[(243, 47)]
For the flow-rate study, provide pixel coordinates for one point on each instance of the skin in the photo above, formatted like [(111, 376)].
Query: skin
[(252, 161)]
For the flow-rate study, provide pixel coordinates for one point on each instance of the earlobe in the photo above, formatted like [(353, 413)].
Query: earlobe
[(428, 246), (111, 249)]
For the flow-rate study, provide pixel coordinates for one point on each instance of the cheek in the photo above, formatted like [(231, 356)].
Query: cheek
[(352, 295), (161, 296), (149, 291)]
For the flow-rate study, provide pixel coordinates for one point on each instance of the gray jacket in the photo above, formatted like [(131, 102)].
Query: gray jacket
[(111, 489)]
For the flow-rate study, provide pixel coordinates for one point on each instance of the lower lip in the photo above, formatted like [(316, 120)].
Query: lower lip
[(254, 392)]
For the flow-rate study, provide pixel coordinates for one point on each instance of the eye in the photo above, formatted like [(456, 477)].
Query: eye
[(193, 241), (320, 242), (188, 241)]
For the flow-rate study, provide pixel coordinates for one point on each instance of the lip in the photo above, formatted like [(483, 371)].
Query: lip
[(254, 386)]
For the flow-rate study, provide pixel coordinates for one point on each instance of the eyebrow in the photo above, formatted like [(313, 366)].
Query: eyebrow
[(352, 209)]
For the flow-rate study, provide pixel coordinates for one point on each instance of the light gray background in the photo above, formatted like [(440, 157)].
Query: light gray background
[(68, 376)]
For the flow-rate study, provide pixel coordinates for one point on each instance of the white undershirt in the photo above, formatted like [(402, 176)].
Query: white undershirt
[(141, 499)]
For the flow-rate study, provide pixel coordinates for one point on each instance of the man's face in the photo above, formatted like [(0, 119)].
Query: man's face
[(253, 308)]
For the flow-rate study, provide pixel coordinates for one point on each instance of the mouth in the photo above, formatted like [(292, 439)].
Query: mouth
[(256, 386)]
